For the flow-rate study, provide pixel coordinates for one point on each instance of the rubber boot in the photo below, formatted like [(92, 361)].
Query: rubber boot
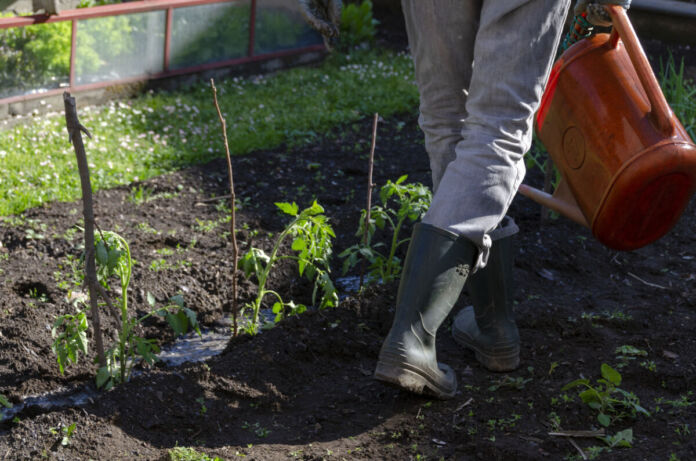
[(488, 327), (435, 271)]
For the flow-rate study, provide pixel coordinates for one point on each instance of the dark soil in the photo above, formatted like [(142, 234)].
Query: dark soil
[(304, 389)]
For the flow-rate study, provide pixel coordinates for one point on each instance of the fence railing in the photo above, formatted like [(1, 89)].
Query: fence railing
[(147, 39)]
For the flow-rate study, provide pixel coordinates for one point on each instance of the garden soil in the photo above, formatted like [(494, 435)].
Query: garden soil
[(304, 389)]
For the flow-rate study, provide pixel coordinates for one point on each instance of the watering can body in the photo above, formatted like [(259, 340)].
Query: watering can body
[(627, 163)]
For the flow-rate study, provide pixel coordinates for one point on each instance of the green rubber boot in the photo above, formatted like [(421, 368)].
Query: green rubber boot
[(488, 327), (435, 270)]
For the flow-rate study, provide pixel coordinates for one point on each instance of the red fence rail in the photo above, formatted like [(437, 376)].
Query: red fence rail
[(142, 6)]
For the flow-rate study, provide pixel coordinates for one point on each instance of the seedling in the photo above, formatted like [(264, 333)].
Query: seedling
[(311, 234), (627, 353), (411, 202), (5, 402), (67, 433), (600, 397), (113, 258)]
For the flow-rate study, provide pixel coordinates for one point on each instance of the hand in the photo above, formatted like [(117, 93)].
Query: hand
[(596, 13), (324, 16)]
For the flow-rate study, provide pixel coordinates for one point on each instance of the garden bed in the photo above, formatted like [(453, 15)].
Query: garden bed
[(304, 388)]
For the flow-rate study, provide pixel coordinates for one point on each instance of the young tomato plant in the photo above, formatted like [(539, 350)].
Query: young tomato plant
[(399, 203), (113, 258), (611, 402), (311, 237)]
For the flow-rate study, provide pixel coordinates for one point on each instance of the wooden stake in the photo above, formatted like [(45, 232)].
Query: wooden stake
[(370, 186), (75, 130), (235, 248)]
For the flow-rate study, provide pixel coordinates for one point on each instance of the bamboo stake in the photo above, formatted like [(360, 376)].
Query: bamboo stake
[(370, 186), (235, 248), (75, 137)]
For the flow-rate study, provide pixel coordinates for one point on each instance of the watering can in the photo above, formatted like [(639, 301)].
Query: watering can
[(628, 165)]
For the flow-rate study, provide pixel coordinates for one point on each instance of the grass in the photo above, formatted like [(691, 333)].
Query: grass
[(160, 132)]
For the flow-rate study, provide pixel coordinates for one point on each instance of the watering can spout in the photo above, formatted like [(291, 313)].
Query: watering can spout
[(562, 201)]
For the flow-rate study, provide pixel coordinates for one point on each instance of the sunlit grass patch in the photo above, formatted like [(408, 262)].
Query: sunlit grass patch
[(163, 131)]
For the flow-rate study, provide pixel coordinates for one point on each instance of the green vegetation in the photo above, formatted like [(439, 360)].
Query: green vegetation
[(400, 203), (113, 258), (611, 403), (161, 132), (311, 241), (680, 93), (357, 24), (189, 454)]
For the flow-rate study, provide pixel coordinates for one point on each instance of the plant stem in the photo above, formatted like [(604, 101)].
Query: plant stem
[(370, 186), (235, 248), (394, 244), (264, 274), (75, 136)]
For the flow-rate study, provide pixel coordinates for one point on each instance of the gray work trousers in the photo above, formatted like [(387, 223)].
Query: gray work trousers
[(481, 67)]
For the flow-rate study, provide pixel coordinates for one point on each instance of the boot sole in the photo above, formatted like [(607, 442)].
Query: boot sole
[(412, 379), (507, 359)]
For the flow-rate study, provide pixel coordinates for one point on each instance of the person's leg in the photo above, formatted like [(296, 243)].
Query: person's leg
[(441, 37), (441, 34), (514, 51), (488, 327)]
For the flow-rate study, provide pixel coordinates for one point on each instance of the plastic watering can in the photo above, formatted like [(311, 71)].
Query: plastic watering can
[(628, 165)]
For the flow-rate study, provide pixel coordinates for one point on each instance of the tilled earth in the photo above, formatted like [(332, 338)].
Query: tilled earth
[(304, 389)]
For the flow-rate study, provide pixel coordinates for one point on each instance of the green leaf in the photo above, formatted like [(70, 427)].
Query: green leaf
[(103, 376), (113, 258), (4, 402), (102, 254), (603, 419), (611, 375), (151, 299), (401, 179), (178, 322), (314, 209), (298, 244), (177, 299), (288, 208), (576, 383)]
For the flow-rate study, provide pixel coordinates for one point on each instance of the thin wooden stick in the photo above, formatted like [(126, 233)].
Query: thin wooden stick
[(75, 130), (235, 248), (370, 186)]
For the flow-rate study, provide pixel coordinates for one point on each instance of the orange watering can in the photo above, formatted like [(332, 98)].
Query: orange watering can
[(628, 165)]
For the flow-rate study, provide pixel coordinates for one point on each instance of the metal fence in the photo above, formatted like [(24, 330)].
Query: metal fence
[(148, 39)]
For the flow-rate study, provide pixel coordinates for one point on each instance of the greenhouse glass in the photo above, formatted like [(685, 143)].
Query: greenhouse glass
[(280, 26), (34, 59), (205, 34), (118, 47)]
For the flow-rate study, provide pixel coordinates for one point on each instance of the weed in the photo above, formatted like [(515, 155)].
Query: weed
[(189, 454), (506, 381), (600, 397), (203, 409), (4, 402), (411, 202), (147, 228), (257, 429), (626, 353), (66, 433), (311, 234)]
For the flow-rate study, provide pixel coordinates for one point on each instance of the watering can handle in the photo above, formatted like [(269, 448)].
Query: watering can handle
[(660, 112)]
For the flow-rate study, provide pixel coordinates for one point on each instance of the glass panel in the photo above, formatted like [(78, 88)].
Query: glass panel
[(209, 33), (280, 26), (34, 59), (116, 47)]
